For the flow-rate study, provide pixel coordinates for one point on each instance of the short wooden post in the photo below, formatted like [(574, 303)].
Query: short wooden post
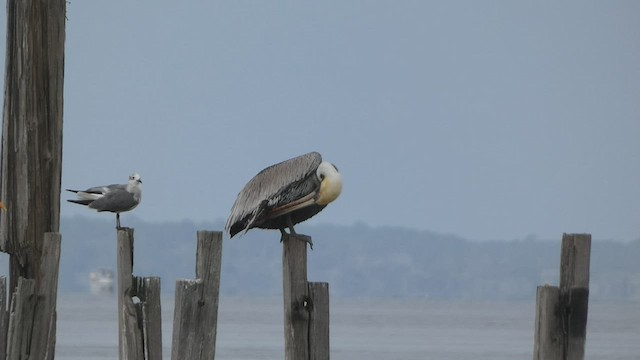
[(149, 293), (561, 312), (319, 321), (195, 315), (574, 292), (306, 305), (548, 328)]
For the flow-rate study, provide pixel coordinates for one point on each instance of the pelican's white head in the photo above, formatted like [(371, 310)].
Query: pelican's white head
[(330, 183)]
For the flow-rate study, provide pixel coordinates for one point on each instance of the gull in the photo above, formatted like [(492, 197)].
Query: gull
[(115, 198)]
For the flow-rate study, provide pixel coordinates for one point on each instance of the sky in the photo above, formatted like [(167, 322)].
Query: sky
[(490, 120)]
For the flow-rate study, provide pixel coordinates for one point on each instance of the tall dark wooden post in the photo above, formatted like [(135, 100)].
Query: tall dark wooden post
[(31, 131), (31, 167)]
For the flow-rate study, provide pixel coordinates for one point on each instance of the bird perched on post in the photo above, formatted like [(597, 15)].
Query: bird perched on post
[(285, 194), (115, 198)]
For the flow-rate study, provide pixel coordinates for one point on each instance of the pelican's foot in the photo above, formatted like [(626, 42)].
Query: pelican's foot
[(305, 238)]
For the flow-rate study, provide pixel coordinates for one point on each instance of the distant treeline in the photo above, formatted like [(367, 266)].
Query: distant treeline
[(357, 261)]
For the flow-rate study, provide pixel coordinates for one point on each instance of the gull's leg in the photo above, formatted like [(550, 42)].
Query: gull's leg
[(118, 221)]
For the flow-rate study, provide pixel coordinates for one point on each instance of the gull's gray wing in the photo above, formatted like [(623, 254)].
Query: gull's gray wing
[(105, 188), (115, 201)]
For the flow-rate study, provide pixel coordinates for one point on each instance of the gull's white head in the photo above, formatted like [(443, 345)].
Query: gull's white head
[(330, 183), (135, 179)]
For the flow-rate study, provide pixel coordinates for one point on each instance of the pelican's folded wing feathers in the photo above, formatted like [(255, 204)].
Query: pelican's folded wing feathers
[(270, 186)]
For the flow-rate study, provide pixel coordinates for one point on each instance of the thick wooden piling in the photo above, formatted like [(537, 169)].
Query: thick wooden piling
[(306, 305), (196, 305), (561, 312), (139, 311), (31, 168)]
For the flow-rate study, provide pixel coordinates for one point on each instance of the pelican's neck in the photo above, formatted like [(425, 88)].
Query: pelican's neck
[(330, 185)]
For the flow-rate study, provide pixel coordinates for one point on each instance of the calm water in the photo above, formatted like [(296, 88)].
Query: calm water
[(251, 329)]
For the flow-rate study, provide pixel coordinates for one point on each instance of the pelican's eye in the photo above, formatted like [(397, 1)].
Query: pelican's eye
[(321, 177)]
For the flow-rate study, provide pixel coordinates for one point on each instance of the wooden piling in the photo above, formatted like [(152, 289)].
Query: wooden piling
[(31, 164), (130, 343), (31, 168), (196, 305), (31, 327), (43, 338), (306, 305), (23, 304), (574, 292), (295, 294), (149, 293), (561, 312), (319, 321), (548, 327), (139, 310), (4, 317)]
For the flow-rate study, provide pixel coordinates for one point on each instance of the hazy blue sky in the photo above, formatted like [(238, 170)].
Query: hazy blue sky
[(489, 119)]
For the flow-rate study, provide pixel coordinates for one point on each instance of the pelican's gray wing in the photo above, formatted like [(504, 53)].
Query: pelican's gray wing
[(116, 200), (267, 188)]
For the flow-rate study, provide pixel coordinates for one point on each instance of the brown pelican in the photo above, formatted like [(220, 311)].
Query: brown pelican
[(114, 198), (285, 194)]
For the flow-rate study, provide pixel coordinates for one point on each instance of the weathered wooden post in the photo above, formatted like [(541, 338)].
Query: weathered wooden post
[(30, 171), (306, 305), (32, 131), (561, 312), (4, 317), (139, 312), (195, 316), (31, 328), (548, 328), (574, 292)]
